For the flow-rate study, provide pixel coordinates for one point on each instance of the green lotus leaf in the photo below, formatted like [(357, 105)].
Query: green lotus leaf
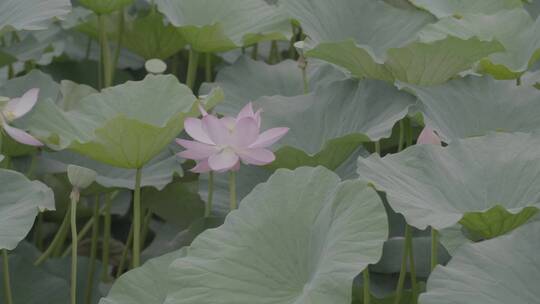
[(474, 106), (301, 237), (502, 270), (437, 186), (328, 125), (20, 202), (517, 32), (221, 25), (124, 126), (382, 42), (147, 284), (160, 40), (157, 173), (104, 6), (450, 8), (16, 15), (248, 80)]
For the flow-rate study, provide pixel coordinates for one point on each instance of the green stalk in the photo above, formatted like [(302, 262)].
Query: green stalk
[(112, 68), (57, 241), (74, 243), (412, 266), (255, 51), (274, 53), (403, 270), (7, 282), (82, 233), (378, 147), (93, 253), (105, 53), (137, 220), (106, 238), (123, 257), (367, 295), (434, 248), (88, 48), (192, 68), (208, 67), (409, 131), (232, 191), (146, 226), (401, 135), (208, 209)]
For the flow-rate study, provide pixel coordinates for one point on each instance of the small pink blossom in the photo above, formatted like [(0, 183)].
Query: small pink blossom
[(221, 143), (428, 136), (16, 108)]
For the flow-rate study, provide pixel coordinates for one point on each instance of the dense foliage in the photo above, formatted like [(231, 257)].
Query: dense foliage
[(269, 151)]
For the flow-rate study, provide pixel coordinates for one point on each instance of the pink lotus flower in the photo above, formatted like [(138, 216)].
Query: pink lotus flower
[(16, 108), (221, 143), (428, 136)]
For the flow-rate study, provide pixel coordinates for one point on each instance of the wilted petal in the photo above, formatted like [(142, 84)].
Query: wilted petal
[(428, 136), (257, 156), (21, 136), (201, 167), (20, 106), (193, 127), (216, 129), (195, 150), (245, 132), (223, 161), (269, 137)]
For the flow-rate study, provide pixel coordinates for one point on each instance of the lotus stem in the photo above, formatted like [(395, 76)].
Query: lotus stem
[(208, 67), (367, 294), (273, 58), (7, 282), (401, 135), (403, 270), (412, 266), (112, 68), (106, 238), (123, 257), (255, 51), (434, 248), (232, 191), (82, 233), (192, 68), (302, 64), (137, 220), (57, 241), (93, 253), (378, 147), (105, 52), (74, 243), (208, 209)]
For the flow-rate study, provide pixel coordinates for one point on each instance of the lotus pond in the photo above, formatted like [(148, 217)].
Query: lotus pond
[(269, 151)]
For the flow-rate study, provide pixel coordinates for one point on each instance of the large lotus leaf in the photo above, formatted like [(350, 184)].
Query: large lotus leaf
[(124, 126), (161, 40), (105, 6), (473, 106), (157, 173), (329, 124), (449, 8), (502, 270), (382, 43), (20, 202), (220, 25), (147, 284), (248, 80), (518, 33), (30, 14), (16, 87), (489, 184), (301, 237)]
